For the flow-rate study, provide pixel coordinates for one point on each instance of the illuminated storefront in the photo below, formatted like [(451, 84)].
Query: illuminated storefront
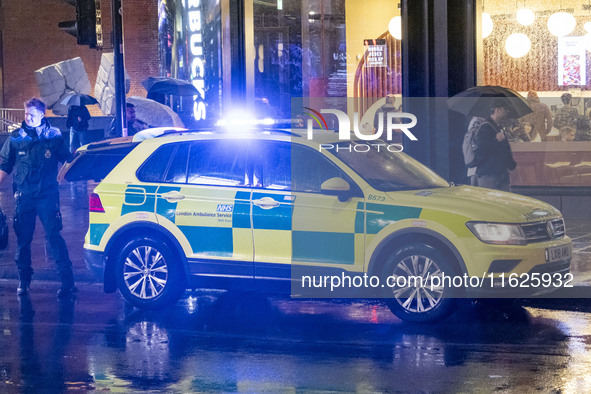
[(541, 48), (261, 54), (291, 49)]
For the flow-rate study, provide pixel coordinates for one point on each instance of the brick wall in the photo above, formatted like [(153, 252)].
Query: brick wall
[(31, 40)]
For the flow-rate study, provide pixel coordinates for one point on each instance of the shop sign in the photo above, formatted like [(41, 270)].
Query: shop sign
[(196, 57), (376, 52)]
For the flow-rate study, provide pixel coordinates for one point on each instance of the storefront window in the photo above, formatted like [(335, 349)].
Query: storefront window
[(317, 48), (541, 49)]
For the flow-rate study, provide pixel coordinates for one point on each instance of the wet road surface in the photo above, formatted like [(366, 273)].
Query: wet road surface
[(222, 342), (218, 342)]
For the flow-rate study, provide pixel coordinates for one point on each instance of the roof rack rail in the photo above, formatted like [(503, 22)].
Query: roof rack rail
[(166, 131)]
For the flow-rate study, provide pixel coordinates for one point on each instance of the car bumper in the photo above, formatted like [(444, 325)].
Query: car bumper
[(542, 279), (95, 262)]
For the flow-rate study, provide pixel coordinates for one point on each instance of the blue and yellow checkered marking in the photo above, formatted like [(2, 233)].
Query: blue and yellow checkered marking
[(317, 246), (139, 199), (323, 247), (165, 208), (97, 230), (278, 218), (241, 211), (203, 239)]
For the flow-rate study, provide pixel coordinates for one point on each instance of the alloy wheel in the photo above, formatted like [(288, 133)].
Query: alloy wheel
[(413, 277), (145, 272)]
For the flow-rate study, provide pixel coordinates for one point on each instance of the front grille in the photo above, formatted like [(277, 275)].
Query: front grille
[(544, 231)]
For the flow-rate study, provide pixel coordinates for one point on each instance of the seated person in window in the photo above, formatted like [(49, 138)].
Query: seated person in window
[(567, 134), (519, 132), (583, 129)]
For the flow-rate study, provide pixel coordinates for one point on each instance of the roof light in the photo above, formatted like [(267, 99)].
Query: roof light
[(243, 119)]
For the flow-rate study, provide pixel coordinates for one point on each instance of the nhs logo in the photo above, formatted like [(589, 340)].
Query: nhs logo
[(225, 207)]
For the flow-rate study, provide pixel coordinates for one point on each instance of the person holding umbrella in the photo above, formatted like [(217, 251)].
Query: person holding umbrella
[(77, 123), (493, 158), (133, 125)]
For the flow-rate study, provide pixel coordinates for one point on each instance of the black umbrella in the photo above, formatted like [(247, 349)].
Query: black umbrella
[(79, 99), (477, 101), (166, 85)]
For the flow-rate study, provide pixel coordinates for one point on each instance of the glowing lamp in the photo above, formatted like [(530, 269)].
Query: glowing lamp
[(517, 45), (561, 24), (487, 25), (395, 27), (525, 16)]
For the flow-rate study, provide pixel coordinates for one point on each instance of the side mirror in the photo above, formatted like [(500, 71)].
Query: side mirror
[(336, 187)]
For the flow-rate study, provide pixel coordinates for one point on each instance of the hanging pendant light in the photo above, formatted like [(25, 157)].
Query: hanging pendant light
[(517, 45), (561, 24), (487, 25), (395, 27), (525, 16)]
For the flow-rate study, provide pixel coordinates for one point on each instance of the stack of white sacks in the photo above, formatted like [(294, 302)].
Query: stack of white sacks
[(104, 88), (57, 80)]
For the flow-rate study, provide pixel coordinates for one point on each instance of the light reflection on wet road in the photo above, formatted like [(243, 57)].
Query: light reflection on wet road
[(217, 342)]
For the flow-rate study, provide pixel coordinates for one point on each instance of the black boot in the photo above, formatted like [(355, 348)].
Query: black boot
[(24, 283), (67, 289)]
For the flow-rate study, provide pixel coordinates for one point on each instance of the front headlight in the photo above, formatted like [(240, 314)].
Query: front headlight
[(498, 233)]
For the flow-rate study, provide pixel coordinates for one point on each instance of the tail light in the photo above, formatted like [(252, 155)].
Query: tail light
[(95, 204)]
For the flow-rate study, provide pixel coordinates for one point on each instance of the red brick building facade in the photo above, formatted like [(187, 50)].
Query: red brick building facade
[(30, 39)]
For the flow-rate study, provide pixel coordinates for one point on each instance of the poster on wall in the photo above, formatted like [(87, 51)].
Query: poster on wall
[(375, 52), (571, 61)]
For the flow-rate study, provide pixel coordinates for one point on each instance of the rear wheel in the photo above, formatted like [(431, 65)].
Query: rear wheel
[(414, 292), (147, 274)]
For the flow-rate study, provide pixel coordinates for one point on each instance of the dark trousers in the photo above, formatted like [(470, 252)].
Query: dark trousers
[(499, 182), (48, 210), (74, 139)]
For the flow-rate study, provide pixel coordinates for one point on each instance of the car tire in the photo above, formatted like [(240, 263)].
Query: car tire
[(148, 276), (415, 303)]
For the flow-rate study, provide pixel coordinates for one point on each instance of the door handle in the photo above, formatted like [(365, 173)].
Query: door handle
[(173, 196), (266, 203)]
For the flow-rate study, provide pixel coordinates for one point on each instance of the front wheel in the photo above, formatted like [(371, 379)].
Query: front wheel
[(414, 273), (147, 275)]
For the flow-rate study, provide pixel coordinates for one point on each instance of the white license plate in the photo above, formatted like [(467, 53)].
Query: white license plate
[(558, 253)]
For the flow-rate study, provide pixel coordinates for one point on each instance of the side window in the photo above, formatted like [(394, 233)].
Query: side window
[(297, 168), (309, 169), (217, 163), (177, 173), (276, 165), (155, 166)]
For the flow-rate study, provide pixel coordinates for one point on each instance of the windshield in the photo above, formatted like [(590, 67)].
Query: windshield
[(387, 171)]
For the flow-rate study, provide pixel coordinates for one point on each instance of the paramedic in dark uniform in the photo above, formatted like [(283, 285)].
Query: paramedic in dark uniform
[(31, 153)]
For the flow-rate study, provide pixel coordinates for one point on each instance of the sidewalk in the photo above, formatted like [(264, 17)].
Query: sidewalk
[(74, 208)]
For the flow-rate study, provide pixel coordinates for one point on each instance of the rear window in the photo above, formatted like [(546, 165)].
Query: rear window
[(96, 164)]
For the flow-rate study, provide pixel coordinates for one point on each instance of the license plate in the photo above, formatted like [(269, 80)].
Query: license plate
[(558, 253)]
